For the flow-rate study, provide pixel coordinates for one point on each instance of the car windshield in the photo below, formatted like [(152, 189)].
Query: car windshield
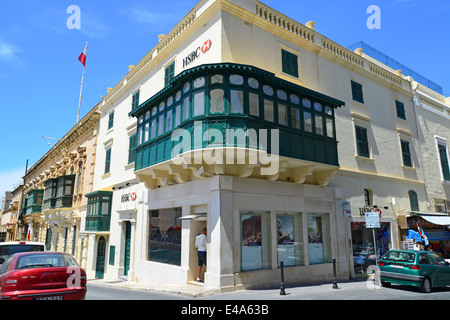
[(45, 260), (400, 256), (9, 249)]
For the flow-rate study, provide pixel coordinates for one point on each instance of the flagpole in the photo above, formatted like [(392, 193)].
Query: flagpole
[(81, 90)]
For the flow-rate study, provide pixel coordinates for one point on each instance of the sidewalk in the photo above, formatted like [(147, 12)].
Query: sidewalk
[(193, 290), (189, 290)]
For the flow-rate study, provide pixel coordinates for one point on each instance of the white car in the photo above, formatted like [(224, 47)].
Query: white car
[(7, 249)]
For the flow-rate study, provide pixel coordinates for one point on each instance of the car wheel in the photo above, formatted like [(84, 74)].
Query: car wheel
[(385, 284), (426, 286)]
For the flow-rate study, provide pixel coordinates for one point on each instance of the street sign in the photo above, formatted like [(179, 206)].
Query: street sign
[(373, 220), (346, 207)]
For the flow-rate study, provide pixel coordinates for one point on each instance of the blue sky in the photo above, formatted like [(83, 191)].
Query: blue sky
[(40, 74)]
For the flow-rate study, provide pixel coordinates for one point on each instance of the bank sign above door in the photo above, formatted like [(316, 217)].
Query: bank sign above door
[(197, 53)]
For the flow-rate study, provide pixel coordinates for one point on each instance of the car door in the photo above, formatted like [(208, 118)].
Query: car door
[(427, 267), (443, 270)]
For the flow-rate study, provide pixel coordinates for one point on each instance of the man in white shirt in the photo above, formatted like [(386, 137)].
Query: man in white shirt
[(200, 244)]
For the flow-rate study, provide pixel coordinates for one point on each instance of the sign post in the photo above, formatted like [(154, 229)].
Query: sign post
[(373, 222)]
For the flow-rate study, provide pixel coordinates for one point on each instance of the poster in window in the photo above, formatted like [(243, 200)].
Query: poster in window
[(315, 239), (251, 242), (285, 234)]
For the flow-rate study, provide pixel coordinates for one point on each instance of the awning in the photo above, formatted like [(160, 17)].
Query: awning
[(197, 217), (437, 234), (439, 220)]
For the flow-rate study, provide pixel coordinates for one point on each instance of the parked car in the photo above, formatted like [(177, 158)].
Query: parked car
[(7, 249), (42, 276), (422, 269)]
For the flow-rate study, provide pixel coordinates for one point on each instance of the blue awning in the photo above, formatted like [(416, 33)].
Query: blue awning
[(411, 234), (437, 234)]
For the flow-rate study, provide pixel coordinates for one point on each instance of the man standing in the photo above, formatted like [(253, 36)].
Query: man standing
[(200, 244)]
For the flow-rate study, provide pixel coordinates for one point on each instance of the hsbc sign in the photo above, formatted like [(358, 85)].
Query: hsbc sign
[(127, 197), (196, 53)]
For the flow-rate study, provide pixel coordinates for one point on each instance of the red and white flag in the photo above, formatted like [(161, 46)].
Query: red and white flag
[(30, 232), (82, 57)]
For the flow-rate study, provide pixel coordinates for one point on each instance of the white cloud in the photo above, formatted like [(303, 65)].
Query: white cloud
[(10, 180), (8, 52)]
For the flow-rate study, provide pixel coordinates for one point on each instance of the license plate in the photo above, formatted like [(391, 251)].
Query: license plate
[(397, 266), (50, 298)]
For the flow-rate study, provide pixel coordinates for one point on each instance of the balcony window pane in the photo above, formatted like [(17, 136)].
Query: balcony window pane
[(253, 104), (307, 121), (319, 124), (282, 114), (236, 101), (199, 103), (268, 110), (295, 118), (216, 101)]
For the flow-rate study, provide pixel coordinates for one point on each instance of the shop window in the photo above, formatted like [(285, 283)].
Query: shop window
[(290, 239), (216, 101), (413, 200), (363, 245), (236, 101), (164, 241), (255, 241), (319, 238), (357, 93)]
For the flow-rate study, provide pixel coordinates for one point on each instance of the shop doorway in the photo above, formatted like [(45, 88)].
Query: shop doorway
[(101, 253), (127, 252), (196, 227)]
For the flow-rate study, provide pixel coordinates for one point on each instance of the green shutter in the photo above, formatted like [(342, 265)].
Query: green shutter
[(108, 161), (400, 110), (413, 200), (289, 63), (444, 162), (357, 92), (406, 154), (362, 143)]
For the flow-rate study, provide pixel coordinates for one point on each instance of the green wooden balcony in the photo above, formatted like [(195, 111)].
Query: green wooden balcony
[(241, 107)]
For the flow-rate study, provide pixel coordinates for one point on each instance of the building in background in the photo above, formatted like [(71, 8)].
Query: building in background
[(54, 202)]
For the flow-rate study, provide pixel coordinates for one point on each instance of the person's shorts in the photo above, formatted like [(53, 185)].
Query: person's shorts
[(201, 258)]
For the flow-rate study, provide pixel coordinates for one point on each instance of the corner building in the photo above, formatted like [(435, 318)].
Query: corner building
[(232, 122)]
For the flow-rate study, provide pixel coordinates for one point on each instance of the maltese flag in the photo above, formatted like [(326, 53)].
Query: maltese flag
[(30, 232), (82, 57)]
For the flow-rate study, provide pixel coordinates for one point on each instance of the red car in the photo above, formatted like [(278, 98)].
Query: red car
[(42, 276)]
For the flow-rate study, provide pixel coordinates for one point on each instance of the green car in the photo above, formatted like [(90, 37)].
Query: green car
[(422, 269)]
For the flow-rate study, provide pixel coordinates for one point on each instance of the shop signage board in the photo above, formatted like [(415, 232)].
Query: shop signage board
[(373, 220), (346, 207)]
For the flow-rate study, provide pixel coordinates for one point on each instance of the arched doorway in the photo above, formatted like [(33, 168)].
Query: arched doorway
[(101, 253)]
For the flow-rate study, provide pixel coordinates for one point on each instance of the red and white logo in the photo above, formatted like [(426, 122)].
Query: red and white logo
[(206, 46), (133, 196)]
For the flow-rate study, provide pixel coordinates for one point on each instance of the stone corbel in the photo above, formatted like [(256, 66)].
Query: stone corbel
[(299, 174), (323, 177)]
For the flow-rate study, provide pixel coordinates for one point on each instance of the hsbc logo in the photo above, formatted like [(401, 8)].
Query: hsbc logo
[(127, 197), (196, 53)]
